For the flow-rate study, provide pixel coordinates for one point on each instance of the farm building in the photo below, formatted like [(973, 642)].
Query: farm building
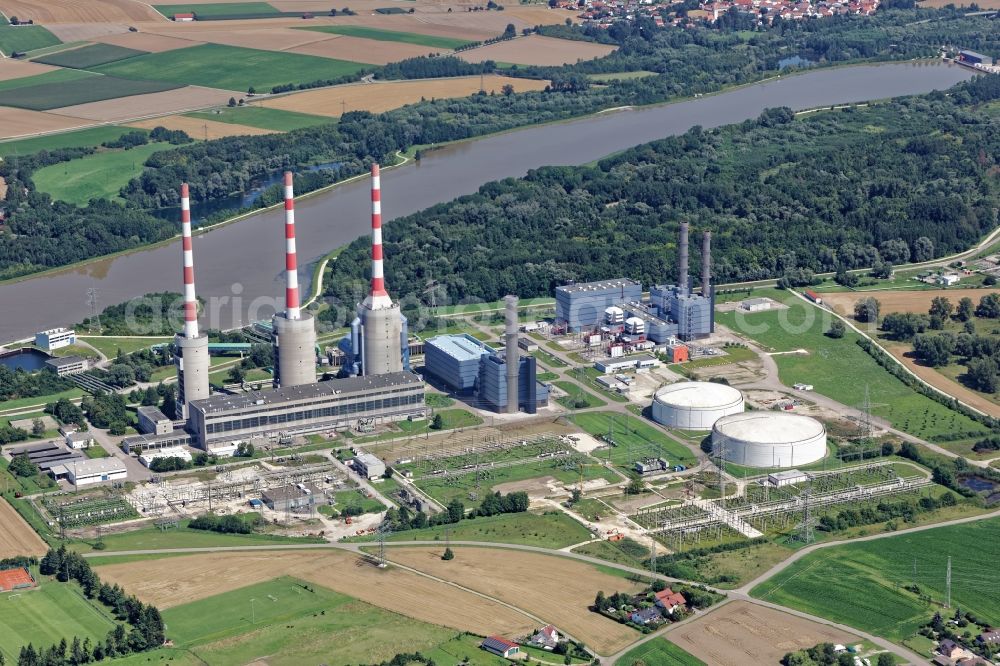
[(55, 338), (769, 439), (948, 279), (695, 405), (183, 17), (501, 646), (814, 297), (85, 472), (369, 466), (669, 600)]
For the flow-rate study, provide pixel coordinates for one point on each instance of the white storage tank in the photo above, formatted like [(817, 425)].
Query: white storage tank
[(695, 405), (769, 439)]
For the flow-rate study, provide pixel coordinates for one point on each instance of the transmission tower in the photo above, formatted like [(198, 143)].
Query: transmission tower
[(383, 532), (95, 315), (947, 603), (652, 559), (806, 530)]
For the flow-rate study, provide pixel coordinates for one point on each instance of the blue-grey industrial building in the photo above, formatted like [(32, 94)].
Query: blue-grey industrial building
[(581, 306), (454, 359), (492, 389)]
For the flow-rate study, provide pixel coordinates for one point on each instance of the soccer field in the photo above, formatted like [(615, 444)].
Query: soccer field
[(47, 614)]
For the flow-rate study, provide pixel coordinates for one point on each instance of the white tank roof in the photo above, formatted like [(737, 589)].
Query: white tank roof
[(698, 395), (614, 310), (769, 427)]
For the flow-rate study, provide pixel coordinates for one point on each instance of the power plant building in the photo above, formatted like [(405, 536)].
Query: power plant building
[(190, 346), (581, 306), (693, 313), (493, 385), (454, 359)]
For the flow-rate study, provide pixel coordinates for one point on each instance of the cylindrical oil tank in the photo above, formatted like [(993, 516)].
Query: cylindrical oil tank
[(695, 405), (769, 439)]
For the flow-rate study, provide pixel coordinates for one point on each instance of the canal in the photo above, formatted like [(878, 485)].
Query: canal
[(239, 267)]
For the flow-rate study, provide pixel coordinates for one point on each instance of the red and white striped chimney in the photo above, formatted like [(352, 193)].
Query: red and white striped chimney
[(378, 297), (291, 263), (190, 300)]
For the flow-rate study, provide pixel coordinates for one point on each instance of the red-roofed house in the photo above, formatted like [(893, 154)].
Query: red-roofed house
[(500, 646), (547, 637), (186, 16), (668, 600)]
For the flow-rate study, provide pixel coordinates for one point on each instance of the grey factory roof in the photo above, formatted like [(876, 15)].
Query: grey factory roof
[(223, 403), (582, 287), (59, 361), (459, 347), (91, 466), (153, 413)]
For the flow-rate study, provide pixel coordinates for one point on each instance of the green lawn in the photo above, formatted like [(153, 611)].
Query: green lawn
[(21, 403), (627, 551), (293, 625), (46, 615), (79, 139), (218, 9), (588, 376), (830, 361), (634, 437), (438, 400), (80, 91), (861, 584), (433, 41), (352, 498), (659, 652), (548, 530), (86, 57), (55, 76), (151, 538), (97, 176), (263, 117), (576, 392), (200, 65), (23, 38), (109, 346)]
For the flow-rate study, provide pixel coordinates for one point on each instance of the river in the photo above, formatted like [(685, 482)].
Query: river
[(238, 267)]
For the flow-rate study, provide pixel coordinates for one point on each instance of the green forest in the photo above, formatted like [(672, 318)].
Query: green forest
[(784, 195), (43, 234)]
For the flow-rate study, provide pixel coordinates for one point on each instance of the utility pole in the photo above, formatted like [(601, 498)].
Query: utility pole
[(383, 532), (652, 559)]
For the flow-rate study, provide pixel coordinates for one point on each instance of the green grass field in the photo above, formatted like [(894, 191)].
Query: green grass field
[(588, 377), (46, 615), (289, 624), (79, 139), (23, 38), (79, 91), (219, 9), (576, 392), (263, 117), (829, 361), (659, 652), (861, 584), (21, 403), (109, 346), (97, 176), (635, 438), (152, 538), (90, 56), (199, 65), (352, 498), (55, 76), (548, 530), (377, 34)]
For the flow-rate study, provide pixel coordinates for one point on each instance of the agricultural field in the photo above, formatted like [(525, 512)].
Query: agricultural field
[(448, 43), (386, 95), (537, 50), (78, 92), (43, 78), (84, 138), (393, 589), (198, 65), (634, 438), (201, 129), (90, 56), (23, 38), (153, 538), (828, 361), (659, 652), (629, 552), (100, 175), (861, 584), (740, 633), (547, 530), (47, 614), (208, 10), (261, 117), (22, 122), (74, 11), (556, 589), (899, 300), (16, 536), (180, 100), (20, 69)]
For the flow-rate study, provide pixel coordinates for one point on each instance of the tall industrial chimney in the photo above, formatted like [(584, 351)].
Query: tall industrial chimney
[(380, 318), (706, 264), (293, 334), (512, 353), (682, 262), (191, 347)]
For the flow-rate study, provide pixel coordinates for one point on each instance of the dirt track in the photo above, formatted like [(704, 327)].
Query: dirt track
[(558, 590), (535, 50), (741, 633), (394, 589), (382, 96), (898, 300), (16, 536)]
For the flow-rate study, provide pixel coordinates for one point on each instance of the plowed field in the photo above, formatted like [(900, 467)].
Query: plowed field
[(896, 300), (16, 536)]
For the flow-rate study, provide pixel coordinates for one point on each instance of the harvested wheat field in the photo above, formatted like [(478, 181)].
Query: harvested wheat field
[(69, 33), (141, 106), (274, 38), (147, 41), (536, 50), (556, 589), (201, 129), (78, 11), (382, 96), (394, 589), (16, 69), (22, 122), (16, 536), (897, 300), (740, 633), (357, 49)]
